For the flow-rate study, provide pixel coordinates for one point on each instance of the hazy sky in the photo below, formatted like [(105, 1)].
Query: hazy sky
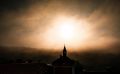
[(30, 23)]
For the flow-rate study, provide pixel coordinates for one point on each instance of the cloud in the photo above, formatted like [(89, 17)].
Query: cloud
[(23, 21)]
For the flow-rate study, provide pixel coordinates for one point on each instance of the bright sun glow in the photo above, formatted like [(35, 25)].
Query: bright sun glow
[(69, 29), (66, 29)]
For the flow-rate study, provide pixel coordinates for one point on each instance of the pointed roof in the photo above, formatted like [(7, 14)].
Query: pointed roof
[(64, 47), (63, 60), (64, 51)]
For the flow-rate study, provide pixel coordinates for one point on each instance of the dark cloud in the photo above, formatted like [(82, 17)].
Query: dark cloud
[(16, 5), (13, 5)]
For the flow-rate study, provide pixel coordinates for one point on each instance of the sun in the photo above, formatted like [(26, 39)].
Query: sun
[(66, 29), (70, 30)]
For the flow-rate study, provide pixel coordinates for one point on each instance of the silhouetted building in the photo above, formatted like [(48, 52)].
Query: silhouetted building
[(64, 65)]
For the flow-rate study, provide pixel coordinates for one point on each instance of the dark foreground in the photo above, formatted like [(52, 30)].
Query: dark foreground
[(38, 68), (34, 68)]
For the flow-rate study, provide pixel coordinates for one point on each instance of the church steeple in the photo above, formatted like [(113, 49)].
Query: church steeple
[(64, 51)]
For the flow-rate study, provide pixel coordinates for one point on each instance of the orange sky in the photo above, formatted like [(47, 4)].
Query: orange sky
[(40, 24)]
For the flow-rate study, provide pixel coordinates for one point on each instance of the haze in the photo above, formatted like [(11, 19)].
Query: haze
[(37, 23)]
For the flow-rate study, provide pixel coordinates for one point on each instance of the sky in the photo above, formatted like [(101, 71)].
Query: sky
[(35, 23)]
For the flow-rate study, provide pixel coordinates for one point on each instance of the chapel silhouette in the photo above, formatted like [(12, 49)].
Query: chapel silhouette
[(65, 65)]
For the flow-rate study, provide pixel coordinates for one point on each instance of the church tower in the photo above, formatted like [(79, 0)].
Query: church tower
[(64, 51), (65, 65)]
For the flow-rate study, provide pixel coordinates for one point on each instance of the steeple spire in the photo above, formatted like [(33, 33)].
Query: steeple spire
[(64, 51)]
